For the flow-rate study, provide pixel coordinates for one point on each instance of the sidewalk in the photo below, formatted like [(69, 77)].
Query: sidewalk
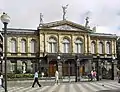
[(2, 89), (52, 79)]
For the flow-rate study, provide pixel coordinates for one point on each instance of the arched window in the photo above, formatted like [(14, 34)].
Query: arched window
[(79, 46), (52, 45), (23, 46), (108, 48), (66, 46), (13, 46), (93, 49), (100, 48), (33, 46)]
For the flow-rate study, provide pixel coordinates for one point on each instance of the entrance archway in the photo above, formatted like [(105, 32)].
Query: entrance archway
[(69, 67)]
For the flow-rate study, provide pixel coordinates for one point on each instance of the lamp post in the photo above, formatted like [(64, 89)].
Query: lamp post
[(58, 59), (40, 65), (97, 67), (59, 66), (69, 70), (113, 58), (78, 73), (5, 20)]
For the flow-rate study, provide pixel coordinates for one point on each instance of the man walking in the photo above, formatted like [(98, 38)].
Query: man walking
[(36, 79)]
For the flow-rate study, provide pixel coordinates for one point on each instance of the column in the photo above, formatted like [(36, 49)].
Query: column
[(97, 47), (58, 43), (44, 43), (112, 44), (28, 46), (85, 44), (105, 48), (71, 43), (114, 47), (89, 44), (18, 46)]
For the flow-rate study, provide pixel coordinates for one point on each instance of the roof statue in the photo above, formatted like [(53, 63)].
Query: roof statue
[(94, 29), (87, 21), (41, 19), (64, 11)]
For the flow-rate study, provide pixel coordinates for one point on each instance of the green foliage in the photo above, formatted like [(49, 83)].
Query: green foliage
[(18, 71)]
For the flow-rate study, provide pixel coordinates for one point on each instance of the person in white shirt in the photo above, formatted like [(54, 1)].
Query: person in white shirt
[(36, 79), (1, 80), (56, 76)]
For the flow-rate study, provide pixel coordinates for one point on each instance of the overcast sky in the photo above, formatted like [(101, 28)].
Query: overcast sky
[(105, 14)]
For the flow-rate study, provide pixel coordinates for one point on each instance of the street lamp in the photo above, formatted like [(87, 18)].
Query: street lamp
[(5, 20), (40, 65), (58, 58), (78, 73), (113, 58)]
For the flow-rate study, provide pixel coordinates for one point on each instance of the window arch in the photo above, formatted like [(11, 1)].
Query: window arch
[(13, 46), (52, 45), (79, 46), (23, 45), (66, 45), (100, 48), (93, 49), (108, 48), (33, 46)]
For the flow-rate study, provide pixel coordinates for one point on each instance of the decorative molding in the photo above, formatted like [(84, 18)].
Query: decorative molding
[(64, 27)]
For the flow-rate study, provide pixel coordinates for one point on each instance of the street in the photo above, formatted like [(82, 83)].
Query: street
[(101, 86)]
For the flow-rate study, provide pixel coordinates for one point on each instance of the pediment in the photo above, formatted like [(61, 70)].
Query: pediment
[(64, 25)]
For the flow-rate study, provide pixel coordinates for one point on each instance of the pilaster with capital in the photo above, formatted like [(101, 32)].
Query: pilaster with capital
[(18, 45), (97, 46), (85, 43)]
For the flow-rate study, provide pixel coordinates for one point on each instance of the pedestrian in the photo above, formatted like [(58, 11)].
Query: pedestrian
[(91, 75), (57, 77), (1, 80), (36, 79), (118, 73), (42, 74), (94, 75)]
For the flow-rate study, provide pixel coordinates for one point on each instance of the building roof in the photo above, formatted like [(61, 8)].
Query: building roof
[(60, 25)]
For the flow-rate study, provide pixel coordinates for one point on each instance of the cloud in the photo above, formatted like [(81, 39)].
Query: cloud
[(102, 13)]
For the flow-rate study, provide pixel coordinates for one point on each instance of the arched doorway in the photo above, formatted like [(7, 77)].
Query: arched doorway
[(52, 67), (69, 68)]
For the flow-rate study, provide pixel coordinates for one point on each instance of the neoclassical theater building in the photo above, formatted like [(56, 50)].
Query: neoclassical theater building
[(62, 45)]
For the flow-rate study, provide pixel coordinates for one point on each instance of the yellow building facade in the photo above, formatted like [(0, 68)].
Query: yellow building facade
[(59, 45)]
